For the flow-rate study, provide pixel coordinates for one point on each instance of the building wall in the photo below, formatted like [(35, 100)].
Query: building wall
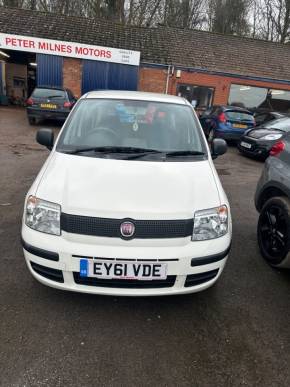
[(154, 80), (72, 75), (16, 72)]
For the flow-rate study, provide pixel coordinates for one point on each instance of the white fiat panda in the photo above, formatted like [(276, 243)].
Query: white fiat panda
[(128, 202)]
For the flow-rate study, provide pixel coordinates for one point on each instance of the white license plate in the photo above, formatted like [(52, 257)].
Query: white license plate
[(122, 270), (246, 145)]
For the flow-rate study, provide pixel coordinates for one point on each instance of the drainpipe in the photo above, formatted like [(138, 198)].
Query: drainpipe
[(167, 78)]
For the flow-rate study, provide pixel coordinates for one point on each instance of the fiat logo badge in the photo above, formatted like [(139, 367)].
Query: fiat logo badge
[(127, 229)]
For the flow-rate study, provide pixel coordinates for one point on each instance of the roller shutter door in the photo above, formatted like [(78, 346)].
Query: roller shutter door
[(49, 70), (110, 76)]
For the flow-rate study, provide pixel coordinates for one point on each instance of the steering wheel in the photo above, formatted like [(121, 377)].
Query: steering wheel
[(106, 131)]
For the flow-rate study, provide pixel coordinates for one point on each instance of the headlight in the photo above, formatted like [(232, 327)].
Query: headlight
[(210, 224), (42, 216), (272, 137)]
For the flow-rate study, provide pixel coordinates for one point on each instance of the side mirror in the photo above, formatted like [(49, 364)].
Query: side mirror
[(45, 137), (218, 147)]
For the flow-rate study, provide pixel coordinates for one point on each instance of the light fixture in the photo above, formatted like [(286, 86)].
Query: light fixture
[(244, 88), (4, 54), (33, 64)]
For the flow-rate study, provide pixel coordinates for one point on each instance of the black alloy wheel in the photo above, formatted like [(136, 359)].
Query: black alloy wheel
[(274, 230)]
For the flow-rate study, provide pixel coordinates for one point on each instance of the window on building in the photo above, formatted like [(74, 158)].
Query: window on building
[(256, 98), (200, 97)]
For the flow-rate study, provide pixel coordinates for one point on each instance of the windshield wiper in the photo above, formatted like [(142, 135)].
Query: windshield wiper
[(167, 154), (54, 96), (111, 149)]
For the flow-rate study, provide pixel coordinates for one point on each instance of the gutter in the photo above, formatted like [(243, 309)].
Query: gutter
[(219, 73)]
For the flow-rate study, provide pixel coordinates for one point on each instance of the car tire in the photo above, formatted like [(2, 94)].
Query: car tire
[(274, 231), (211, 135), (32, 120)]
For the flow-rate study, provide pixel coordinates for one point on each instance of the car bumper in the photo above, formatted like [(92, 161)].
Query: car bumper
[(229, 136), (191, 267), (257, 150), (47, 114)]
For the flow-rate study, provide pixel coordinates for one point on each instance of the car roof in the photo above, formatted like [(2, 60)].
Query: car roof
[(136, 95), (50, 88), (237, 108)]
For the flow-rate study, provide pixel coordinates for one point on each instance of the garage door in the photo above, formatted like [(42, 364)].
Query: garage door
[(112, 76), (49, 70)]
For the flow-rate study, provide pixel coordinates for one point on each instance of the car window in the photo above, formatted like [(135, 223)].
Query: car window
[(216, 110), (48, 93), (237, 115), (281, 124), (260, 118), (70, 94), (145, 124), (206, 113)]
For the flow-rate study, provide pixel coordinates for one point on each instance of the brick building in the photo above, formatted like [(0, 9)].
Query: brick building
[(84, 54)]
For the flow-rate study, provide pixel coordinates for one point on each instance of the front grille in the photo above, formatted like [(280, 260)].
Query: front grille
[(200, 278), (123, 283), (48, 272), (106, 227)]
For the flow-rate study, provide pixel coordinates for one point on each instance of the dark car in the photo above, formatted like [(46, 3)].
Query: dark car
[(259, 141), (227, 122), (261, 117), (49, 103), (272, 200)]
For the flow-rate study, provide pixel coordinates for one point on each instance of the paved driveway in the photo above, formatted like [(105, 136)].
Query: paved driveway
[(236, 333)]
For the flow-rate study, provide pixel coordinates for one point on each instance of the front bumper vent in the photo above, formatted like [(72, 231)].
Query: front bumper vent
[(48, 272), (200, 278), (123, 283)]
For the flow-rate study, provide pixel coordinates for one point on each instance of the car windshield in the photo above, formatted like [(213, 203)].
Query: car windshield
[(48, 93), (239, 116), (120, 125), (280, 124)]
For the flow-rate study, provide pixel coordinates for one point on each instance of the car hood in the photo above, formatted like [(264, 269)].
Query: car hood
[(128, 188), (259, 133)]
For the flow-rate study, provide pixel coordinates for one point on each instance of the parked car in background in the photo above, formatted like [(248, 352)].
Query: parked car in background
[(259, 141), (227, 122), (261, 117), (49, 103), (273, 203), (129, 201)]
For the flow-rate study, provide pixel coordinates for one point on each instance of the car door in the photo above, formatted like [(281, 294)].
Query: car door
[(207, 119)]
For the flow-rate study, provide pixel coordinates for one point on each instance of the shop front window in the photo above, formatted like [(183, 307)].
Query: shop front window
[(200, 97), (257, 98)]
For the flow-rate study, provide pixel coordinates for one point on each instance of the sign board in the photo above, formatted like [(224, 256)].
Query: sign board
[(69, 49)]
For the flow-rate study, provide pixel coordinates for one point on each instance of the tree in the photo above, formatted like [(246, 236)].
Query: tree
[(265, 19), (184, 13), (229, 16), (272, 20)]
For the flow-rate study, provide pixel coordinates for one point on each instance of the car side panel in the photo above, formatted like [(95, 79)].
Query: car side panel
[(276, 174)]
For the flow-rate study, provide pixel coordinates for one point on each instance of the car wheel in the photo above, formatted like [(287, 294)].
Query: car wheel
[(211, 135), (32, 120), (274, 230)]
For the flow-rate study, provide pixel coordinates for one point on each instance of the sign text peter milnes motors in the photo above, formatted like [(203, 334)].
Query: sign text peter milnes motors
[(69, 49)]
